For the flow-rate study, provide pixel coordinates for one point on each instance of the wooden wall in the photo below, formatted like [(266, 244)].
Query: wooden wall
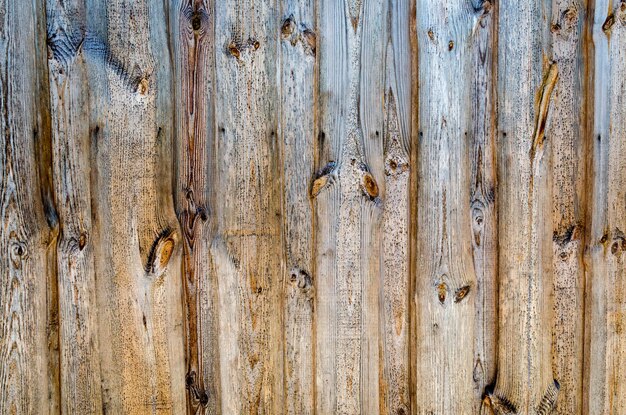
[(313, 207)]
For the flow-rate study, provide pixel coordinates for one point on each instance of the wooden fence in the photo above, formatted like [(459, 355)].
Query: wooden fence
[(313, 207)]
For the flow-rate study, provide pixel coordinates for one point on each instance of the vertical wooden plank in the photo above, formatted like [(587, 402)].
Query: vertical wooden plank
[(80, 364), (193, 55), (248, 246), (352, 38), (27, 216), (567, 133), (137, 242), (605, 383), (297, 129), (395, 224), (446, 280), (484, 215), (526, 79)]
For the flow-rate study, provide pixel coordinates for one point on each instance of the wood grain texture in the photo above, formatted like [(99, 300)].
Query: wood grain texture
[(248, 249), (79, 353), (395, 284), (526, 80), (137, 237), (193, 53), (567, 131), (298, 51), (484, 214), (606, 347), (446, 279), (348, 200), (28, 222)]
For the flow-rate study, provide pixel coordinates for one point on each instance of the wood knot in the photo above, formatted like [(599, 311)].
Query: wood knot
[(255, 44), (161, 252), (233, 49), (608, 23), (287, 27), (450, 45), (142, 87), (324, 177), (369, 186), (461, 293), (82, 240), (196, 21), (442, 291), (309, 41)]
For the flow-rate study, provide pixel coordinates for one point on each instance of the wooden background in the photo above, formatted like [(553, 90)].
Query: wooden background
[(313, 207)]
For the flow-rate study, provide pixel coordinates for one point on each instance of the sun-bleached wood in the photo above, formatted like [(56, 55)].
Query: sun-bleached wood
[(567, 131), (247, 248), (605, 368), (298, 53), (526, 78), (137, 238), (28, 222), (78, 337), (445, 276)]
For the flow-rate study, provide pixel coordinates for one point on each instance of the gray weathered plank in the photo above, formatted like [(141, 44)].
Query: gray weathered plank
[(395, 220), (247, 248), (297, 129), (567, 133), (79, 353), (193, 54), (605, 374), (348, 206), (28, 223), (484, 215), (445, 277), (137, 237), (526, 79)]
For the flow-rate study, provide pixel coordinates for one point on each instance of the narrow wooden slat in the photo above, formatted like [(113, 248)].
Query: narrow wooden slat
[(446, 280), (28, 223), (248, 246), (137, 237), (80, 361), (605, 377), (297, 129), (351, 41), (193, 54), (526, 80), (483, 207), (567, 133), (395, 217)]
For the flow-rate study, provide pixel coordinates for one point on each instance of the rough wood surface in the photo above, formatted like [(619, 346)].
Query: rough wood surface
[(137, 238), (526, 80), (567, 131), (28, 222), (297, 128), (312, 207), (605, 374), (193, 53), (79, 353), (247, 248)]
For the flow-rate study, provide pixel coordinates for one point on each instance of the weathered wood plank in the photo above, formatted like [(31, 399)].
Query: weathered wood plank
[(137, 237), (605, 376), (348, 206), (483, 207), (79, 353), (28, 223), (445, 279), (567, 133), (526, 79), (248, 246), (297, 129), (395, 391), (193, 54)]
